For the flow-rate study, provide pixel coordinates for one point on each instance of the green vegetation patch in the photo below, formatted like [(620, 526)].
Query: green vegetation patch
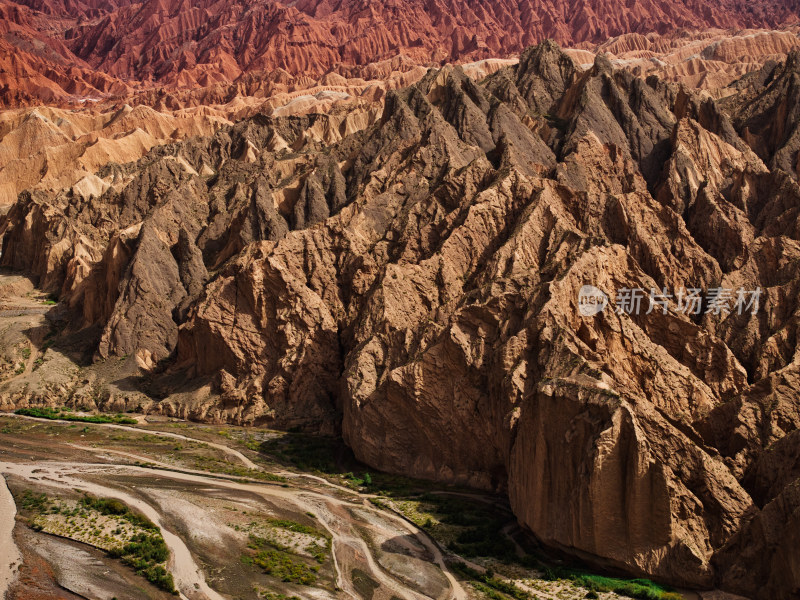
[(279, 545), (108, 524), (500, 589), (489, 584), (64, 414), (279, 563), (146, 553), (488, 592), (295, 526), (38, 503), (112, 506), (642, 589), (278, 534), (467, 526), (217, 465)]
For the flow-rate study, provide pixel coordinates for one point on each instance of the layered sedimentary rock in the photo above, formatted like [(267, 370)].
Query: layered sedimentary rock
[(36, 64), (710, 59), (68, 52), (415, 285), (211, 39), (52, 148)]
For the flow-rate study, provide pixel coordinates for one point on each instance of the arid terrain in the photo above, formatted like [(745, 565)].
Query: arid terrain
[(228, 501), (417, 274), (53, 50), (400, 300)]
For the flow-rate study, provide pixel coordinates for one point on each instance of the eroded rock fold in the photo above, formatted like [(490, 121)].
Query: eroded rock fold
[(415, 286)]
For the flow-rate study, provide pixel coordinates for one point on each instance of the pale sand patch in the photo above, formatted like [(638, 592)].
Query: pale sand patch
[(11, 556), (188, 576)]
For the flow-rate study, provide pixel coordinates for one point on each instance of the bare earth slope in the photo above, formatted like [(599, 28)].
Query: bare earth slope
[(213, 39), (53, 148), (55, 51), (411, 278)]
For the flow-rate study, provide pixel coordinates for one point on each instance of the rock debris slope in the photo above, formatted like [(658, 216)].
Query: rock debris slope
[(412, 279)]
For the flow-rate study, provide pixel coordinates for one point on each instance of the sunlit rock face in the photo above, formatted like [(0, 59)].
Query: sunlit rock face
[(413, 282)]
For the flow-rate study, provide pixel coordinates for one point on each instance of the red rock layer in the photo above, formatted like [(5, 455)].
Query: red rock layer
[(164, 40), (37, 66), (55, 49)]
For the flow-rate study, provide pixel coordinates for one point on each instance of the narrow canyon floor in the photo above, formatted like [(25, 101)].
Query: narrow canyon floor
[(247, 513)]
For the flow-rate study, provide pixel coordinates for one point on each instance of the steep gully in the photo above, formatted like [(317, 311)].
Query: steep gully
[(421, 277)]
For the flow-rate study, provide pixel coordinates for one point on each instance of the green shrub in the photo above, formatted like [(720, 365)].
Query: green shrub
[(34, 502), (379, 503), (641, 589), (112, 506), (489, 584), (54, 414), (283, 566), (488, 592), (295, 526), (144, 553)]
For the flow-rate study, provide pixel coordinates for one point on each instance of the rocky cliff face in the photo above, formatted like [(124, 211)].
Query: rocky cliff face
[(56, 51), (163, 41), (413, 280)]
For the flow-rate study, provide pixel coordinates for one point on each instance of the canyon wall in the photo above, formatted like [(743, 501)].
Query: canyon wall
[(411, 279)]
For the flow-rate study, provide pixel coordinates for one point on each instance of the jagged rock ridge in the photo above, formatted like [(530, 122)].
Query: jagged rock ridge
[(57, 51), (416, 285)]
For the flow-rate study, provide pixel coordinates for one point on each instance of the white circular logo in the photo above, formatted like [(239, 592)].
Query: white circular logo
[(591, 301)]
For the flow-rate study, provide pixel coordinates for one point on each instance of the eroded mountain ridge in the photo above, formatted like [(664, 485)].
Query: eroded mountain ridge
[(415, 286)]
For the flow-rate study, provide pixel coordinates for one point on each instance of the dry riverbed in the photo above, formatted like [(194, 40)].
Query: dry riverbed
[(243, 514), (231, 537)]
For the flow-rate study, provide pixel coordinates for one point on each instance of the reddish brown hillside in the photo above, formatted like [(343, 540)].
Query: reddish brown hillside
[(66, 51), (165, 40)]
